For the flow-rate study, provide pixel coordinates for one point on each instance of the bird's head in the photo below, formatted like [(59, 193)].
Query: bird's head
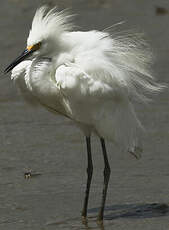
[(44, 38)]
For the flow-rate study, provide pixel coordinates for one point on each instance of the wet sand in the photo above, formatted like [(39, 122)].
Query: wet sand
[(53, 150)]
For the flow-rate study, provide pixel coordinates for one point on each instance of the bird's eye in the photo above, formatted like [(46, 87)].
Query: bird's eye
[(37, 46), (34, 47)]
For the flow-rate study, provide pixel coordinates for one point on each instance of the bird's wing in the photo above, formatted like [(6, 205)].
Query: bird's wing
[(94, 102), (75, 83), (122, 61), (98, 87)]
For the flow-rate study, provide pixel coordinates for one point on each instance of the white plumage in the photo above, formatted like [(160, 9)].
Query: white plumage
[(90, 77)]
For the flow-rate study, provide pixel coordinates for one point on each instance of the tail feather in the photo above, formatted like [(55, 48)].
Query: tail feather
[(119, 124)]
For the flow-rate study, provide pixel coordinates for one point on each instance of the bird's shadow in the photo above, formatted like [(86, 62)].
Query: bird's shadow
[(134, 211), (112, 212)]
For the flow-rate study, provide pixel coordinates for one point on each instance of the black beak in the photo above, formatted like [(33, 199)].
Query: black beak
[(26, 53)]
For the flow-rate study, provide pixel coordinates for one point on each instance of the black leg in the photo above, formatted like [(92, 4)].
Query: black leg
[(106, 179), (89, 177)]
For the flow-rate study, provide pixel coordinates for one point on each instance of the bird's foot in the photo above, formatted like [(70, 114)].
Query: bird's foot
[(100, 219), (84, 219)]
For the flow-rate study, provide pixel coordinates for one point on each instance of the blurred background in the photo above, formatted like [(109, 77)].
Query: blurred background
[(54, 151)]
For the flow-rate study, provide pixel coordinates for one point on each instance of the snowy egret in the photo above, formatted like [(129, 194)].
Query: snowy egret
[(90, 77)]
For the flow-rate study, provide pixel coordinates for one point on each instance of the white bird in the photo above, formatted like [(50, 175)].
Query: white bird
[(90, 77)]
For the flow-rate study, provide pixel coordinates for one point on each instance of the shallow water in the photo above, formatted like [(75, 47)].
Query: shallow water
[(53, 150)]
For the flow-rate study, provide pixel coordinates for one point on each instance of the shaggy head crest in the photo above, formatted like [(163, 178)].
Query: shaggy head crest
[(48, 23)]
